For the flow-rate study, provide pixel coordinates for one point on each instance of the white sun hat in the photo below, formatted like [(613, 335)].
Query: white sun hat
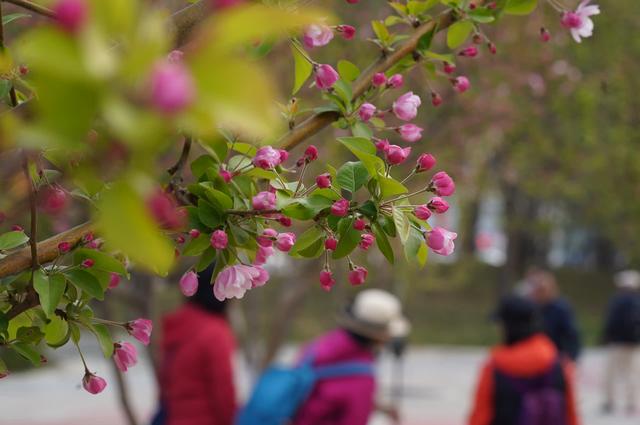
[(628, 279), (376, 314)]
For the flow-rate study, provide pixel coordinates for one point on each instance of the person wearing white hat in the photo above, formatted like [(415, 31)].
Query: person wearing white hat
[(366, 325), (622, 337)]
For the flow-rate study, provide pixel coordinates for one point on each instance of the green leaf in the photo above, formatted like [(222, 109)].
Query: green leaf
[(413, 244), (127, 225), (343, 90), (101, 260), (483, 16), (402, 224), (3, 368), (56, 332), (520, 7), (306, 209), (198, 245), (417, 8), (425, 41), (209, 215), (361, 129), (12, 240), (352, 176), (50, 290), (29, 334), (348, 238), (381, 31), (302, 69), (390, 187), (307, 244), (104, 339), (13, 17), (383, 243), (348, 71), (458, 33), (75, 332), (206, 259), (203, 163), (87, 282), (27, 351), (365, 151)]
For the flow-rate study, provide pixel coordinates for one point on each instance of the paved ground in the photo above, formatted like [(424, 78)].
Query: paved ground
[(437, 386)]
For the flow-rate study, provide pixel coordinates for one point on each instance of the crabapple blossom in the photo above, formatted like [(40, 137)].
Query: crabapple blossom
[(406, 106), (410, 132)]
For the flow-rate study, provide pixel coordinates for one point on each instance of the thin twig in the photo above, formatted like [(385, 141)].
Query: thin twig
[(252, 212), (184, 155), (33, 241), (25, 4)]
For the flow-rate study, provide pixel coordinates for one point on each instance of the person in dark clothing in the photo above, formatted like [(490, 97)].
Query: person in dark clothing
[(525, 380), (558, 320), (196, 368), (622, 337)]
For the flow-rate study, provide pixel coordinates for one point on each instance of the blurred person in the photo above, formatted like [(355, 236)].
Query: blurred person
[(558, 319), (525, 381), (622, 337), (196, 375), (371, 321)]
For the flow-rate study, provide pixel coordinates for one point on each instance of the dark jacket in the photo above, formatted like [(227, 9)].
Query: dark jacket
[(529, 358), (622, 325), (559, 324), (196, 368)]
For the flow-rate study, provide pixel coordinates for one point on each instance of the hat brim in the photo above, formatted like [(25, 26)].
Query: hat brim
[(374, 331)]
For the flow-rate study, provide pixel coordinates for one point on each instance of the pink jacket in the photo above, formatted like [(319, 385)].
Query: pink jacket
[(339, 401)]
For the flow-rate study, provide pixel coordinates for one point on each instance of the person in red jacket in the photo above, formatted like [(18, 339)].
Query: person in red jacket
[(196, 374), (525, 381)]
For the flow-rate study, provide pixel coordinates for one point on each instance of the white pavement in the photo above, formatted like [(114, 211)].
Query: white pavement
[(438, 383)]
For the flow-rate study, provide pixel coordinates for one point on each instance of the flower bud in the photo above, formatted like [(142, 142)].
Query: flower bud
[(461, 84), (189, 283), (442, 184), (379, 79), (323, 181), (545, 35), (358, 275), (93, 384), (171, 87), (382, 145), (436, 99), (264, 201), (331, 243), (140, 329), (285, 221), (226, 175), (347, 31), (267, 158), (397, 155), (311, 153), (425, 162), (438, 205), (317, 35), (340, 208), (64, 247), (410, 132), (326, 76), (194, 233), (359, 224), (448, 68), (366, 111), (441, 241), (366, 240), (326, 280), (71, 15), (469, 52), (422, 212), (406, 106), (87, 263), (114, 280), (219, 239), (395, 81), (285, 241)]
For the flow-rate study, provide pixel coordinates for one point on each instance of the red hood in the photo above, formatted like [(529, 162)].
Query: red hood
[(183, 324), (337, 346), (526, 358)]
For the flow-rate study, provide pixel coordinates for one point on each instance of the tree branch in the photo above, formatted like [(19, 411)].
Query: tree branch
[(317, 122), (184, 155), (25, 4)]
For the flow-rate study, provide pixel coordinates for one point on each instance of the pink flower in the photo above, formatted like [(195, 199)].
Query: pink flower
[(267, 237), (226, 175), (382, 145), (175, 56), (125, 355), (441, 241), (436, 99), (442, 184), (326, 280), (263, 254), (422, 212), (235, 281), (410, 132), (545, 35), (367, 111), (285, 241), (366, 240), (448, 68), (55, 199), (93, 384), (267, 158), (284, 155), (87, 263), (326, 76), (359, 224), (425, 162), (352, 1), (395, 81), (140, 329), (311, 153), (358, 275), (164, 209), (438, 205), (16, 228), (219, 239), (114, 280), (194, 233), (64, 247), (331, 243), (461, 84), (317, 35), (189, 283), (579, 22), (171, 87), (470, 52), (71, 14), (492, 48), (179, 239), (264, 201), (323, 181), (379, 79), (406, 106), (347, 31), (340, 208), (397, 155)]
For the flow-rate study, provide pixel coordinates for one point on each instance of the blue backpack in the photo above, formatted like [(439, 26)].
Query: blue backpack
[(281, 391)]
